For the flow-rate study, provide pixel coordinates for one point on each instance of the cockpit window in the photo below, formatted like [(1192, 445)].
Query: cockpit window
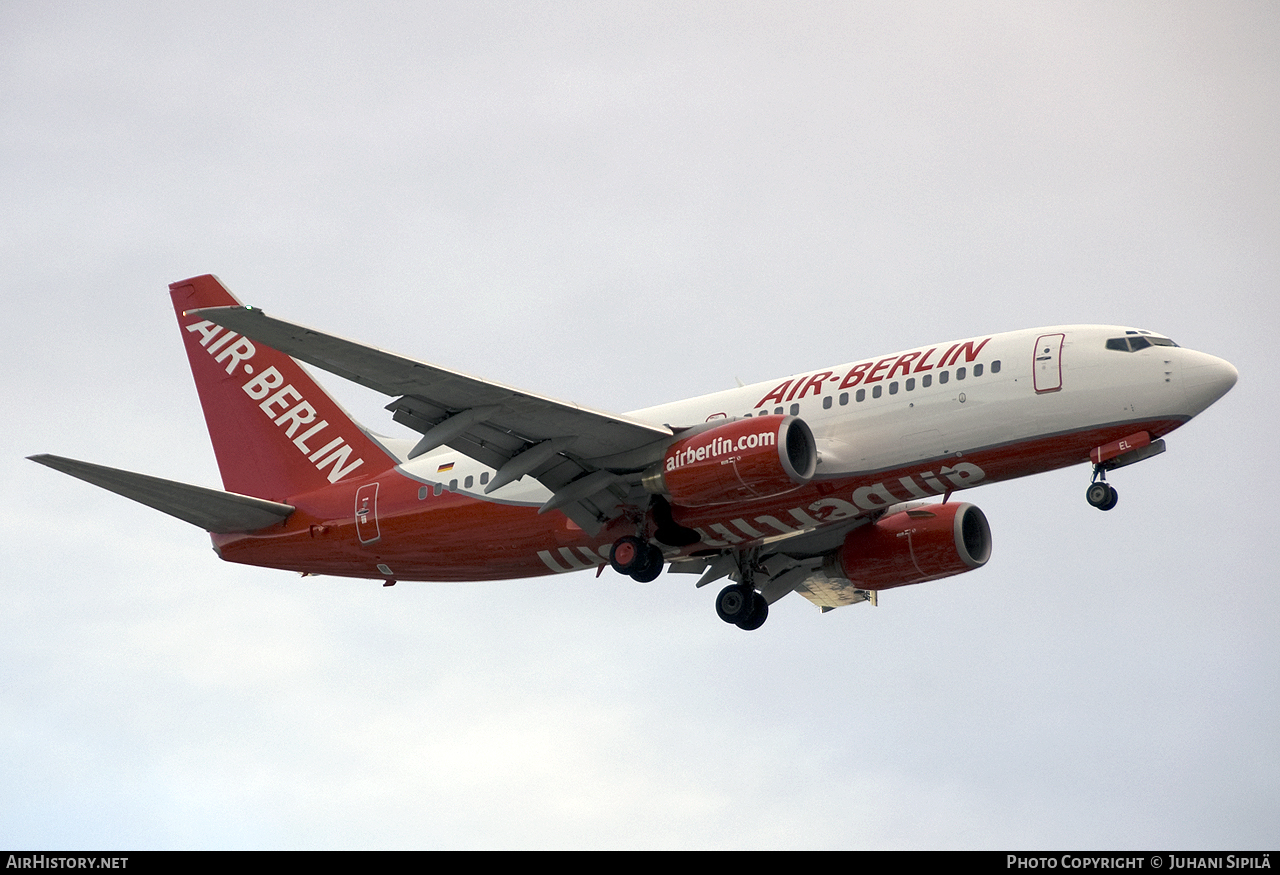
[(1135, 342)]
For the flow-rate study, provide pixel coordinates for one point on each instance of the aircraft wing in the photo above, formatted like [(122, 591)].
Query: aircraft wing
[(581, 455), (210, 509)]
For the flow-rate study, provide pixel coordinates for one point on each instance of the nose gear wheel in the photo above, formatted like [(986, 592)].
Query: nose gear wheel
[(1100, 493)]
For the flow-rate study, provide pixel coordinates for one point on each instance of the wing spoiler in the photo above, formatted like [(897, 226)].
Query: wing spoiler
[(214, 511)]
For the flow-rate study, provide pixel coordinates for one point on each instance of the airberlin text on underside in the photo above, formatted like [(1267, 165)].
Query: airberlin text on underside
[(830, 509)]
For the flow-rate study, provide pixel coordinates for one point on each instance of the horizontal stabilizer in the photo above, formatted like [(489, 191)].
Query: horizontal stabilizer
[(210, 509)]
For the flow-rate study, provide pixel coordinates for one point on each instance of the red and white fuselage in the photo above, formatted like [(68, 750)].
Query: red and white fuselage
[(898, 428)]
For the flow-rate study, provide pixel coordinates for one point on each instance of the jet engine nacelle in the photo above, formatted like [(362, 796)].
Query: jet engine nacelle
[(758, 457), (912, 546)]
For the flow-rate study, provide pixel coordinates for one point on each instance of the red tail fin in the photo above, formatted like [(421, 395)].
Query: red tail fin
[(275, 432)]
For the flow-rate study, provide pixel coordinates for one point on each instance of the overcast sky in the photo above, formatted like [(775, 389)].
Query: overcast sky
[(621, 205)]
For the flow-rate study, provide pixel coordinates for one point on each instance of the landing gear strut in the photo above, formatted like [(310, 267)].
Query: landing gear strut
[(1100, 493), (638, 559)]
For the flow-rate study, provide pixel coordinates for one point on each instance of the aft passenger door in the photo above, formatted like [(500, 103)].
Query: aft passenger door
[(1047, 367), (367, 513)]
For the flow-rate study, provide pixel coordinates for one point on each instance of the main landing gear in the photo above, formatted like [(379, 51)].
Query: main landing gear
[(742, 606), (1100, 493), (636, 558), (739, 603)]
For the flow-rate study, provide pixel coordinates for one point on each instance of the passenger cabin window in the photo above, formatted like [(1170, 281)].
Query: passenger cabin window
[(943, 377), (926, 381), (826, 403), (977, 370), (995, 366), (861, 396)]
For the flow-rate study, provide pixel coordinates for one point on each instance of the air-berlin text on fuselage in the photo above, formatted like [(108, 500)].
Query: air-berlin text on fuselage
[(905, 364), (719, 446), (277, 401)]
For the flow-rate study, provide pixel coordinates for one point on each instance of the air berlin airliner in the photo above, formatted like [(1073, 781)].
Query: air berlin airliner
[(817, 483)]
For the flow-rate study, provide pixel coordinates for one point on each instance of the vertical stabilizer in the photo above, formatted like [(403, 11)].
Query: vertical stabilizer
[(275, 432)]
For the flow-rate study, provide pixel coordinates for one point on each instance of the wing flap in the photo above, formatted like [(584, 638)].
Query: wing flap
[(211, 509), (828, 593)]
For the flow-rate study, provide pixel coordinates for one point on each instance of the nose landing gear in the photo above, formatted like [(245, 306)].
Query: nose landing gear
[(1117, 454), (1100, 493)]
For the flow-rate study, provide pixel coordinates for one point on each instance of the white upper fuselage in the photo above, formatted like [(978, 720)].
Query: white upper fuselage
[(964, 409), (945, 400)]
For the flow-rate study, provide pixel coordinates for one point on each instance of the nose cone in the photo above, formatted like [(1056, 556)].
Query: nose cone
[(1205, 379)]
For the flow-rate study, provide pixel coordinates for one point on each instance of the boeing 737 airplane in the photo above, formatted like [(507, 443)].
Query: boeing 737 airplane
[(817, 483)]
